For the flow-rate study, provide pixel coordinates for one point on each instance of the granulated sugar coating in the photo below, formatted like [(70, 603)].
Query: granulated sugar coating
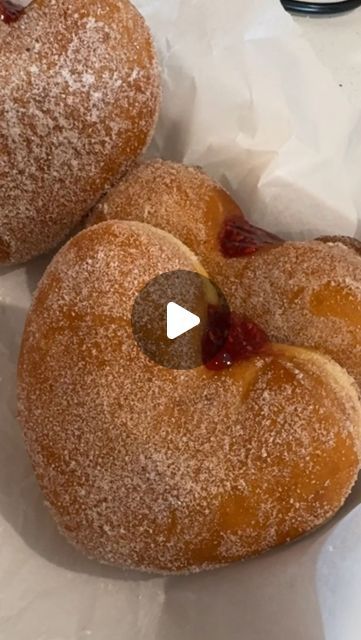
[(179, 199), (166, 470), (79, 98), (306, 294)]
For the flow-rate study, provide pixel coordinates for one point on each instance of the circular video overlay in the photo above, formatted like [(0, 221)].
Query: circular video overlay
[(180, 320)]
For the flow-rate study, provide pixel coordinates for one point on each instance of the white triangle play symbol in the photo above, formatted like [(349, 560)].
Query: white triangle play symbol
[(179, 320)]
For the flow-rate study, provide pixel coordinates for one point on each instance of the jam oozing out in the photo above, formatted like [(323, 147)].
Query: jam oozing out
[(240, 238), (9, 12), (230, 338)]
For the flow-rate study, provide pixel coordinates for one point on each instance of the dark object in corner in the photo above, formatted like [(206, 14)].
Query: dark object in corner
[(320, 8)]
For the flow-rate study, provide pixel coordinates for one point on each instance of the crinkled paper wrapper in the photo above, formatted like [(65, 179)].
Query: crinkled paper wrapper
[(246, 98)]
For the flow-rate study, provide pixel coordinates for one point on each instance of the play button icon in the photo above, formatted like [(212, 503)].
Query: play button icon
[(170, 318), (179, 320)]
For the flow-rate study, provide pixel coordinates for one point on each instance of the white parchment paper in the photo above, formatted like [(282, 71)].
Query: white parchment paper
[(245, 97)]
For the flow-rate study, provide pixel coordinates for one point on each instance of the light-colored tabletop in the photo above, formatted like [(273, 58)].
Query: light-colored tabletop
[(337, 42)]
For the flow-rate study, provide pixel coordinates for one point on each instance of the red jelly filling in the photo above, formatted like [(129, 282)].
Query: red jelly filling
[(230, 338), (9, 12), (240, 238)]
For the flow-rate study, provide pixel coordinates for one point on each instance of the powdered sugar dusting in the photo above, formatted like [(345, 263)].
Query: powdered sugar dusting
[(168, 470), (80, 94)]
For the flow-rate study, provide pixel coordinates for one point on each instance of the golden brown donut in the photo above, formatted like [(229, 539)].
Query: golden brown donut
[(79, 88), (179, 199), (306, 294), (164, 470)]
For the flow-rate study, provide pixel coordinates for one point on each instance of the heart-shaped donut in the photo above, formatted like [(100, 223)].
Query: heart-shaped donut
[(166, 470), (79, 98)]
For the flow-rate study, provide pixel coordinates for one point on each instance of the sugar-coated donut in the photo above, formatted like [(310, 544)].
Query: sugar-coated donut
[(306, 294), (179, 199), (164, 470), (79, 88)]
